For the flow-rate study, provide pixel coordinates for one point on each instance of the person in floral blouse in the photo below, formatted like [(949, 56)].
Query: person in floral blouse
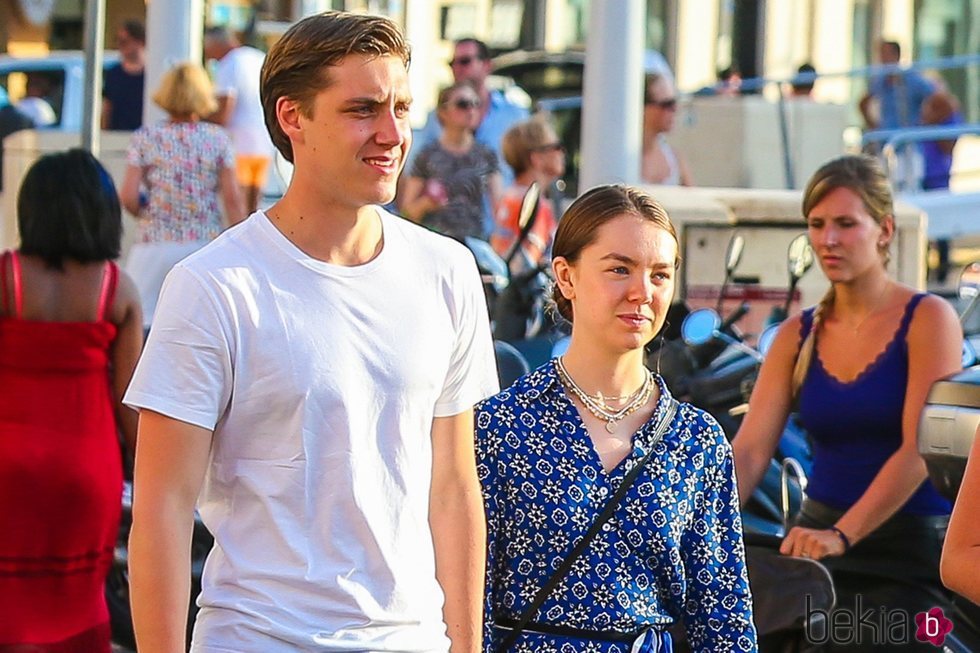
[(555, 447), (179, 173)]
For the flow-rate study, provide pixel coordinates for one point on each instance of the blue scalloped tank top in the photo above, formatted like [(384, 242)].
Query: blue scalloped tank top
[(856, 426)]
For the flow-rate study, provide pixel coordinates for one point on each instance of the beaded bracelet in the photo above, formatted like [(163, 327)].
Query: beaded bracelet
[(843, 538)]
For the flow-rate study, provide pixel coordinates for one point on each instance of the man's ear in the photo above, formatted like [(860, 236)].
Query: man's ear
[(563, 277), (289, 115)]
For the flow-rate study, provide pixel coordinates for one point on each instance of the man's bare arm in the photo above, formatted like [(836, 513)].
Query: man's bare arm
[(171, 459), (458, 529)]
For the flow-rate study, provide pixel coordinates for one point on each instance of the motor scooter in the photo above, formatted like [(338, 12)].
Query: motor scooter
[(947, 428)]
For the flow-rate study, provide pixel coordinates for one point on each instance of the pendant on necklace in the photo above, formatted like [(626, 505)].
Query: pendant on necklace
[(610, 426)]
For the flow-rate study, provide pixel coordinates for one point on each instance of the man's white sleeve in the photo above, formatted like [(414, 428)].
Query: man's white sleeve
[(472, 373), (185, 371)]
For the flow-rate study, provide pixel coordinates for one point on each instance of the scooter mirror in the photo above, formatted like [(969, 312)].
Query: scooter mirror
[(700, 326), (799, 257), (529, 206), (734, 253), (525, 219), (969, 284), (767, 338)]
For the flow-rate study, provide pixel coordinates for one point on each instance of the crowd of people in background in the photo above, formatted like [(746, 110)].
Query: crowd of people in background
[(249, 398)]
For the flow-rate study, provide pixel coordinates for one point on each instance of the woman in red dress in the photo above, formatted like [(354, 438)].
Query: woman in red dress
[(70, 335)]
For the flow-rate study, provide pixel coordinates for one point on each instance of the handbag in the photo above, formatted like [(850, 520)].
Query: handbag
[(582, 545)]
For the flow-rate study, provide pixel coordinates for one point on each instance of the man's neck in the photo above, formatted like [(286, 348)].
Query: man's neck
[(134, 64), (329, 232)]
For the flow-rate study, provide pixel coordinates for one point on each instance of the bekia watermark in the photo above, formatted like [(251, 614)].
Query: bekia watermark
[(879, 626)]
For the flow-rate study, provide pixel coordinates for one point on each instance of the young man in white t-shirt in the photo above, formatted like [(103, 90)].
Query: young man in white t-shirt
[(312, 374), (236, 85)]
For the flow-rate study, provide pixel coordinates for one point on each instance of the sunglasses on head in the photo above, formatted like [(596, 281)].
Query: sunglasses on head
[(669, 104), (550, 147), (463, 104), (463, 61)]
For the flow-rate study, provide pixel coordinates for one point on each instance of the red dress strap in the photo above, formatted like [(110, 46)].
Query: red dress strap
[(4, 264), (14, 260), (110, 279)]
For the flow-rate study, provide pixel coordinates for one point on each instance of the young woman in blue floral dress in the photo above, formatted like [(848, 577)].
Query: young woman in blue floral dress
[(554, 447)]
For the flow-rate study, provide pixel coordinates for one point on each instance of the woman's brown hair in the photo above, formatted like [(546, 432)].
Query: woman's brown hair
[(580, 225)]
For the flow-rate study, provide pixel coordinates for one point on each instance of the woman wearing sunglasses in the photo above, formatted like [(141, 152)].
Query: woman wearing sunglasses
[(661, 164), (452, 176)]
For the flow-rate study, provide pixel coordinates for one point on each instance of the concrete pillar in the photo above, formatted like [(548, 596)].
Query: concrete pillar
[(174, 33), (422, 33), (613, 94), (695, 62), (92, 102)]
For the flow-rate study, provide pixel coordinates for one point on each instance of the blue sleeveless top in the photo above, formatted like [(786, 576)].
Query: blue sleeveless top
[(855, 427)]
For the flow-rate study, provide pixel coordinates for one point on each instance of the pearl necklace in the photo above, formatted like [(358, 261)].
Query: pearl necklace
[(601, 410)]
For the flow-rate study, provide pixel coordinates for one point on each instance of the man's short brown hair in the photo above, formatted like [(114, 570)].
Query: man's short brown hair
[(296, 64)]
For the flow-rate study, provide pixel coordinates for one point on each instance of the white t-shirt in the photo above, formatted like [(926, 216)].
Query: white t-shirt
[(236, 75), (320, 383)]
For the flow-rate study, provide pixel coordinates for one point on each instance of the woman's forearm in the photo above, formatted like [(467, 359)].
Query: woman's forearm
[(895, 483)]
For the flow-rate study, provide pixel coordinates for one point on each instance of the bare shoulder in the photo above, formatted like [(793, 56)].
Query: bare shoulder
[(935, 315), (790, 332), (127, 298)]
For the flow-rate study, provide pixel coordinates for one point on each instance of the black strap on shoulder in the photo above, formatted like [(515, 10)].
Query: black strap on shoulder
[(582, 544)]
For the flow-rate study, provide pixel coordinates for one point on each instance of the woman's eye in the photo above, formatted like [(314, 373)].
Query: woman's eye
[(619, 269)]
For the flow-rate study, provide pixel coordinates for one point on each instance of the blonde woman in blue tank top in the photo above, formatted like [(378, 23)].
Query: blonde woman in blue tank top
[(858, 367)]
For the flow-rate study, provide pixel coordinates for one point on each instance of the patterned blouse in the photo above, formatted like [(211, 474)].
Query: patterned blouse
[(672, 552), (181, 163)]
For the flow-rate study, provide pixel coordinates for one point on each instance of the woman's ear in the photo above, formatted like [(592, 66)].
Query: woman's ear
[(563, 277), (887, 230)]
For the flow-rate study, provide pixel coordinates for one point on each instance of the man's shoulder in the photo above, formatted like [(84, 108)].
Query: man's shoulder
[(244, 55), (112, 72), (499, 102), (235, 247)]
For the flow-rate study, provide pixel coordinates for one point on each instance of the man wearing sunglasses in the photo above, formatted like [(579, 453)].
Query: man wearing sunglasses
[(471, 63)]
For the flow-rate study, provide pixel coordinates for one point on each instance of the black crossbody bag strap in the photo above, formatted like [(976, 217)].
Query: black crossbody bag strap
[(582, 545)]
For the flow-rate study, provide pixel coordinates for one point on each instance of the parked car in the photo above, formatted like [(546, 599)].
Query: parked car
[(62, 74), (553, 81)]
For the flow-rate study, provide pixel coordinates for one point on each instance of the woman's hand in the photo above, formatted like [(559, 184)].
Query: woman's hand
[(812, 543)]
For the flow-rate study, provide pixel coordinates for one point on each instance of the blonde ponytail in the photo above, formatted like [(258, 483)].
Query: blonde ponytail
[(805, 357)]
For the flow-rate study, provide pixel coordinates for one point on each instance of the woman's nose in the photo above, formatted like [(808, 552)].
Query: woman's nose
[(641, 290)]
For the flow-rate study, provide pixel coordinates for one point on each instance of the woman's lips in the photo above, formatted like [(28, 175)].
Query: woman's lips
[(635, 321)]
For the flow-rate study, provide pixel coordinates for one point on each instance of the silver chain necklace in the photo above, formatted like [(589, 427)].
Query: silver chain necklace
[(601, 410)]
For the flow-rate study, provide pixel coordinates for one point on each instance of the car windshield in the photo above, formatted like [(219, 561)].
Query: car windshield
[(38, 94)]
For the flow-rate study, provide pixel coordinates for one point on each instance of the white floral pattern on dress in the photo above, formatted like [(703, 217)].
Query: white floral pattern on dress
[(672, 552)]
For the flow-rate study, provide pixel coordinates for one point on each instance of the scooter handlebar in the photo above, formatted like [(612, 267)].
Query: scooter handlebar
[(734, 317)]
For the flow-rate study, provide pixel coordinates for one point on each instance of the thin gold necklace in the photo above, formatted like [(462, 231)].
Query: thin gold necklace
[(603, 411), (874, 308)]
